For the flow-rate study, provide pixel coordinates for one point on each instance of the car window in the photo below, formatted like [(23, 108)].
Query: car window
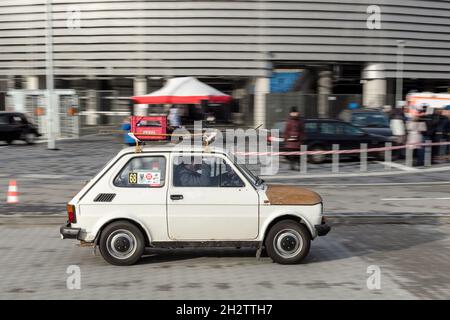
[(352, 131), (4, 120), (311, 127), (17, 119), (327, 128), (204, 171), (373, 120), (228, 177), (142, 172)]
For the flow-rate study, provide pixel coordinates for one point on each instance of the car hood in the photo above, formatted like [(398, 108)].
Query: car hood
[(291, 195)]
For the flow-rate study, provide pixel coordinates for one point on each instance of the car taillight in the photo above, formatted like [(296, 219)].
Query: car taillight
[(71, 213)]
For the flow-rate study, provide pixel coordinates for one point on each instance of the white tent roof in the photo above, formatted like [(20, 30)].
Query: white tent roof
[(183, 90)]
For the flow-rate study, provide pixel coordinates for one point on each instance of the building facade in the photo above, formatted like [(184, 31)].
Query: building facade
[(130, 47)]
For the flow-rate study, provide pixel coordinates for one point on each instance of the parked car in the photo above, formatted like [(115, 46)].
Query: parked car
[(321, 134), (15, 126), (372, 121), (148, 199)]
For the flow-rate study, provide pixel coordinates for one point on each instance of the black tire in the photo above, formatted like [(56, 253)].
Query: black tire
[(280, 242), (317, 159), (122, 238), (30, 138)]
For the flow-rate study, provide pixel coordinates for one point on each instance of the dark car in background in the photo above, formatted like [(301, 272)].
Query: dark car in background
[(321, 134), (15, 126), (372, 121)]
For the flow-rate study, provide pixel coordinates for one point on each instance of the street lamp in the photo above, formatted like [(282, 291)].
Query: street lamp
[(399, 76), (49, 78)]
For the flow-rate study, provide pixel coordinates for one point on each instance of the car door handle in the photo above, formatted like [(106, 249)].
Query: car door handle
[(176, 196)]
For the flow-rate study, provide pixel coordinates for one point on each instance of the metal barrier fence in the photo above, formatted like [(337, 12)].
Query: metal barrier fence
[(363, 152)]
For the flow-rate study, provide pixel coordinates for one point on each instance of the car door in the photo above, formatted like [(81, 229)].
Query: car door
[(354, 136), (5, 127), (330, 133), (202, 206), (17, 126)]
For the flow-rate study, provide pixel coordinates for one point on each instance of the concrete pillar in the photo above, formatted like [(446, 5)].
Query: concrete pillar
[(324, 86), (31, 83), (140, 88), (262, 88), (91, 108), (374, 85)]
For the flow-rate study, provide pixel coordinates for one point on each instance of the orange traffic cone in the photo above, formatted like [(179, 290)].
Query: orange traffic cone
[(13, 195)]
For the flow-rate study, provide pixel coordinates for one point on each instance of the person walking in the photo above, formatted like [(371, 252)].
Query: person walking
[(294, 135)]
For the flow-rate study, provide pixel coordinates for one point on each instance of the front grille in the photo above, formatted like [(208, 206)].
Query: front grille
[(104, 197)]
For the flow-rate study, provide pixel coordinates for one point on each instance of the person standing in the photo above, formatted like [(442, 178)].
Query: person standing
[(294, 135), (442, 134), (174, 117), (416, 128), (397, 125)]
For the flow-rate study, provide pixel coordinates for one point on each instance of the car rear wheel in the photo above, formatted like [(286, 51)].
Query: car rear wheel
[(317, 158), (288, 242), (122, 243), (30, 138)]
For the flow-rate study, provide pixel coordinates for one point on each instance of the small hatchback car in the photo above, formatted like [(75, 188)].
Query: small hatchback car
[(169, 198), (15, 126)]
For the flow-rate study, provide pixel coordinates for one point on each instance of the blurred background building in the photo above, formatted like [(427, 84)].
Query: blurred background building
[(269, 55)]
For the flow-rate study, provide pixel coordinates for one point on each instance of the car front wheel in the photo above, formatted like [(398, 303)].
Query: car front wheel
[(288, 242), (122, 243)]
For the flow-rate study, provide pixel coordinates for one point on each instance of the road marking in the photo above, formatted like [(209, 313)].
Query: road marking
[(398, 166), (413, 199)]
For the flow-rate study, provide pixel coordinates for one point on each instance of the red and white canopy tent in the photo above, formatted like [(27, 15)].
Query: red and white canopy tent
[(183, 90)]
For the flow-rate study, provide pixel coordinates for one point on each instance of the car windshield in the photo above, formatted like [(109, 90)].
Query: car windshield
[(370, 120)]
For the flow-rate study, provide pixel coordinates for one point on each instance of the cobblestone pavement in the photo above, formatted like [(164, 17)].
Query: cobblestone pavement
[(414, 263)]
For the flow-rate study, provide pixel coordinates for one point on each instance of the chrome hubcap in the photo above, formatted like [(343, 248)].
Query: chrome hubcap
[(288, 243), (121, 244)]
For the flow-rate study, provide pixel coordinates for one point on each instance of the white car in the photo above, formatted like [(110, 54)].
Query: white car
[(162, 197)]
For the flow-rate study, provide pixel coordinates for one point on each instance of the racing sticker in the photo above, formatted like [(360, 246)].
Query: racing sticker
[(151, 178), (132, 177)]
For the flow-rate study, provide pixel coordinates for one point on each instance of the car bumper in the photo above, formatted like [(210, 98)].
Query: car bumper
[(69, 233), (322, 229)]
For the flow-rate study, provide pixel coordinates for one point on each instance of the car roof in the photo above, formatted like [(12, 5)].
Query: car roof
[(170, 147), (324, 120), (366, 111), (9, 113)]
